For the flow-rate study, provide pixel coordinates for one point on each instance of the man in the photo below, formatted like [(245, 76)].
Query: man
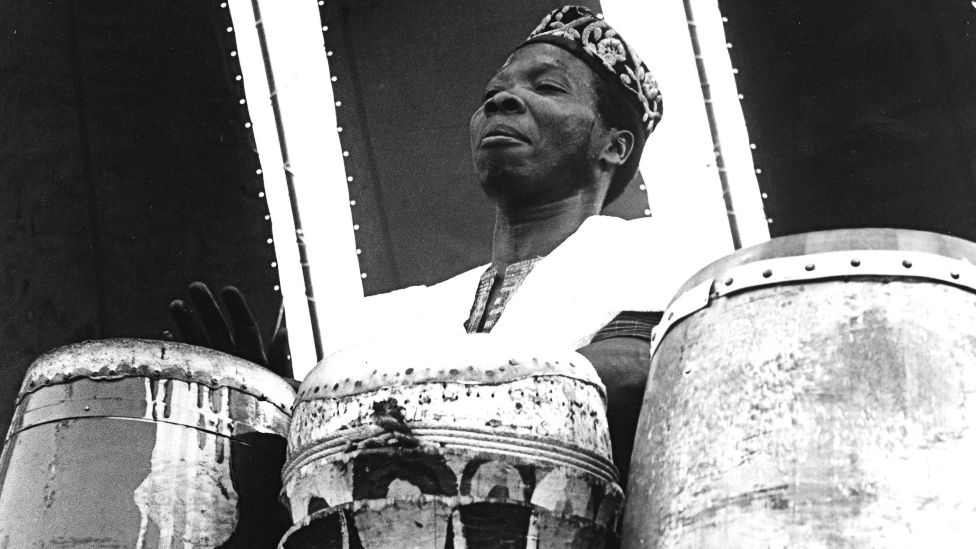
[(559, 135)]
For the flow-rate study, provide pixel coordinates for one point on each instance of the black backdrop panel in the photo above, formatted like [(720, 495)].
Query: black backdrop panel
[(126, 172), (408, 75), (863, 113)]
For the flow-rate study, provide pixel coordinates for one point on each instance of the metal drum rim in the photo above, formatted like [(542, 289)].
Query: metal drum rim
[(837, 240), (113, 359), (851, 264), (477, 359), (577, 457)]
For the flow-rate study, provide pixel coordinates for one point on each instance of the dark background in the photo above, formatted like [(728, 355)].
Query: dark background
[(863, 112), (126, 172)]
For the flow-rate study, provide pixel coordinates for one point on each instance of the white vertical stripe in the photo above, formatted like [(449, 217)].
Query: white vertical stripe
[(306, 101)]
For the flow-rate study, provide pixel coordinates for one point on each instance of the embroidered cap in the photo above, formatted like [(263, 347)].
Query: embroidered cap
[(587, 36)]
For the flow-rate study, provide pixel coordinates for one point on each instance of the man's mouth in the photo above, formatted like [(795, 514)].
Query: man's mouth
[(503, 136)]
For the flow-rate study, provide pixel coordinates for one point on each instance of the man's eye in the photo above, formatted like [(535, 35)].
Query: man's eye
[(547, 87)]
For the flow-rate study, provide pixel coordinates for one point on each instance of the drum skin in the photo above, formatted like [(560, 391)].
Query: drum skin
[(145, 444), (467, 442), (833, 409)]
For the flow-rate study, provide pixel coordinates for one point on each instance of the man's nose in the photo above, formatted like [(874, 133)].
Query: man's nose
[(504, 102)]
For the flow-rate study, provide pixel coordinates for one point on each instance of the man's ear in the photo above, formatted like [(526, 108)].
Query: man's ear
[(620, 145)]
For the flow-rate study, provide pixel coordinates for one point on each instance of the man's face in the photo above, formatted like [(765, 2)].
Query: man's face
[(536, 136)]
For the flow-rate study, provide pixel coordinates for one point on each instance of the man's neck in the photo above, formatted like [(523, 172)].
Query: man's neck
[(535, 231)]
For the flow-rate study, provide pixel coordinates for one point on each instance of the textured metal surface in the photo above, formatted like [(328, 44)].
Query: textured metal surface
[(473, 359), (142, 462), (524, 459), (110, 359), (809, 415)]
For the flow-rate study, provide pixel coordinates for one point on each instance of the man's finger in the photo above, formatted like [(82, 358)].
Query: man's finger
[(279, 359), (213, 320), (189, 329), (247, 335)]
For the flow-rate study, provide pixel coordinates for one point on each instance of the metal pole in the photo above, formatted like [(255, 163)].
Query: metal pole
[(713, 126), (289, 180)]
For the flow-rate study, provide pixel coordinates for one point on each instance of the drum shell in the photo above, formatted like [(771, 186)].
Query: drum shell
[(827, 413), (127, 460), (521, 461)]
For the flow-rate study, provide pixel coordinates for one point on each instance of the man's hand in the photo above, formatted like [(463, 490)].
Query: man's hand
[(240, 336)]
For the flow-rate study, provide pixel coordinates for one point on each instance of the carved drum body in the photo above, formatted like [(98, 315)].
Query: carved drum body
[(812, 392), (462, 442), (145, 444)]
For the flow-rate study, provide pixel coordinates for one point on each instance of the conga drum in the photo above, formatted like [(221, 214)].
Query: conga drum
[(465, 442), (145, 445), (814, 391)]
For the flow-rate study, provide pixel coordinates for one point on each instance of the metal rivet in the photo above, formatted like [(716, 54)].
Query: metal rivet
[(735, 71), (87, 408), (358, 251), (247, 124), (907, 264), (261, 194), (335, 387), (233, 54), (855, 263), (276, 288), (328, 54), (742, 97), (408, 371), (213, 381), (363, 275), (513, 361), (274, 264), (345, 153), (454, 372), (764, 195), (355, 227), (349, 179), (238, 78), (156, 372), (339, 129), (728, 45), (334, 78), (770, 221), (751, 145), (352, 202), (955, 276), (728, 281), (767, 273), (758, 171), (338, 103), (230, 29), (643, 187), (810, 267), (647, 212)]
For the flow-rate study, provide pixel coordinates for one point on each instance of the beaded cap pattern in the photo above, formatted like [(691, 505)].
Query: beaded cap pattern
[(589, 37)]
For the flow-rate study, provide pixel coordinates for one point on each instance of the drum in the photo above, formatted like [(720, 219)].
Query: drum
[(145, 444), (471, 441), (813, 391)]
